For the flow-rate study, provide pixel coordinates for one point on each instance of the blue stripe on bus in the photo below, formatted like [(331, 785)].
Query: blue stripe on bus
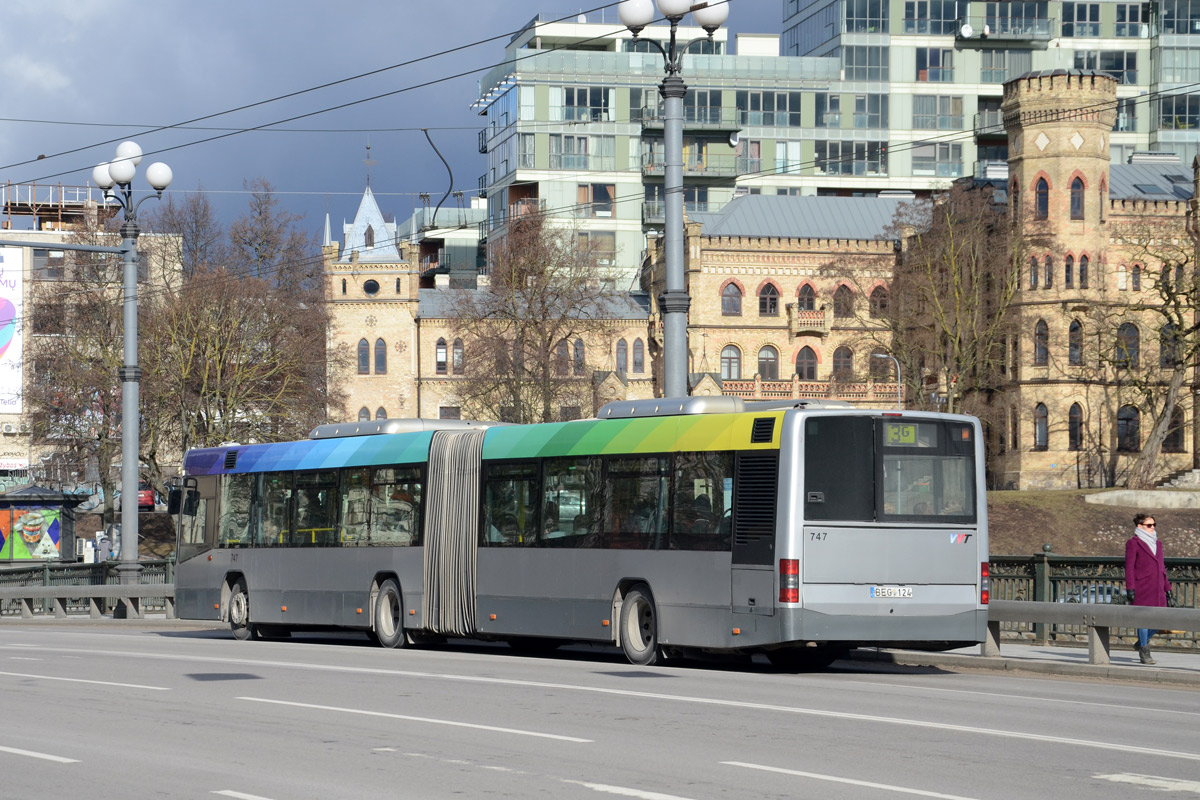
[(357, 451)]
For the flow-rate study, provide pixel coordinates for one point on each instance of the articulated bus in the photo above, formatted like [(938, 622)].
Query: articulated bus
[(661, 526)]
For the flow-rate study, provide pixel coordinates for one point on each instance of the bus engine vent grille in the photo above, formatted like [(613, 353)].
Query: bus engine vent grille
[(763, 431), (230, 459), (755, 485)]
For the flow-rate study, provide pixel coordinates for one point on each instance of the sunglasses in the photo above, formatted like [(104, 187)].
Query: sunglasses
[(1148, 525)]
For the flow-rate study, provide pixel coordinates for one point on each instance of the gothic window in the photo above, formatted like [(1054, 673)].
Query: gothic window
[(806, 364), (440, 356), (562, 358), (364, 414), (1014, 429), (343, 285), (768, 301), (1077, 198), (364, 357), (1128, 341), (843, 363), (622, 356), (1083, 272), (1129, 437), (843, 302), (1041, 193), (1069, 272), (1075, 344), (456, 356), (639, 357), (1169, 345), (731, 301), (369, 237), (1122, 278), (1033, 273), (879, 302), (1173, 443), (880, 369), (1041, 343), (380, 413), (1041, 427), (380, 357), (579, 360), (397, 286), (731, 364), (1075, 427), (1048, 273), (807, 299), (1135, 280), (768, 364)]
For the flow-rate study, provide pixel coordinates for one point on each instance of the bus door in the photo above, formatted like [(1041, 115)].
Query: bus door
[(755, 495)]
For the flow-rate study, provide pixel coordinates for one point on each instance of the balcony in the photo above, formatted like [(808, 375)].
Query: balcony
[(583, 161), (586, 114), (938, 122), (803, 322), (695, 118), (1006, 29), (654, 212), (483, 137), (989, 122), (525, 207), (700, 166), (936, 75), (867, 392), (483, 185)]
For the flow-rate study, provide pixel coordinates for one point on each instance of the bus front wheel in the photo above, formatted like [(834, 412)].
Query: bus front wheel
[(389, 615), (239, 611), (639, 627)]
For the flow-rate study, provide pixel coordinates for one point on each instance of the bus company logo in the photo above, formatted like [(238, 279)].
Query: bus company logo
[(960, 538)]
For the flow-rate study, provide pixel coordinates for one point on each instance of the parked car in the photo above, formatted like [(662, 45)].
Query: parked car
[(146, 496), (1095, 594)]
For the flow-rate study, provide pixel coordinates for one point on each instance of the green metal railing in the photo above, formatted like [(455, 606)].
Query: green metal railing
[(154, 571)]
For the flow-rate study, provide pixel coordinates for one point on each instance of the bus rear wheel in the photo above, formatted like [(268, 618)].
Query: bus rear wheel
[(639, 627), (389, 615), (239, 611)]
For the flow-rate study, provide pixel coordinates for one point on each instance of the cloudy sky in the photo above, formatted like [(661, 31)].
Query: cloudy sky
[(81, 75)]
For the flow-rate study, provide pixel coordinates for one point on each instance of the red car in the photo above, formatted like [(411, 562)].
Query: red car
[(145, 496)]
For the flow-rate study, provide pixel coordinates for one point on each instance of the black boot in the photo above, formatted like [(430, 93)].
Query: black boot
[(1144, 654)]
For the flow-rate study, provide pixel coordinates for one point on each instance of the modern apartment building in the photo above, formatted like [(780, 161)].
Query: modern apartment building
[(942, 64)]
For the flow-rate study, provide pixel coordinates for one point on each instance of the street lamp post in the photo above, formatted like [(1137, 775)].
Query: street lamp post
[(898, 384), (636, 15), (116, 178)]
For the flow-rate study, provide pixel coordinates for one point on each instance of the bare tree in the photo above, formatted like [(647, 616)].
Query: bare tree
[(266, 244), (197, 239), (526, 336)]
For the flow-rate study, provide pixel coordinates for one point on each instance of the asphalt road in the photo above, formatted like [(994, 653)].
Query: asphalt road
[(98, 713)]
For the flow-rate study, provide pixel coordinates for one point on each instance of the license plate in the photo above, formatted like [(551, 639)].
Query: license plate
[(891, 591)]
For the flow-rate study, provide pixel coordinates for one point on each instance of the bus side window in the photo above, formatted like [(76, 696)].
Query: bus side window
[(702, 505), (512, 513)]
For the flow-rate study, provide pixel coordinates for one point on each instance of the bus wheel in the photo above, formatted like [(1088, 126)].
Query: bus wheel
[(800, 659), (239, 611), (389, 615), (639, 627)]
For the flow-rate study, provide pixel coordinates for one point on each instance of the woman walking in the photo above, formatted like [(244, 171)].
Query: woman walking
[(1145, 575)]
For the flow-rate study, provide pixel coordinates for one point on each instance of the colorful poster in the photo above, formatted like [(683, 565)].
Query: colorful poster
[(30, 534), (11, 297)]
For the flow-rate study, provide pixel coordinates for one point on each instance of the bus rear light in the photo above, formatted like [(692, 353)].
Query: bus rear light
[(789, 580), (985, 584)]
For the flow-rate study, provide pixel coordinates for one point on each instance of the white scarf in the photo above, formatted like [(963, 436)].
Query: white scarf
[(1150, 538)]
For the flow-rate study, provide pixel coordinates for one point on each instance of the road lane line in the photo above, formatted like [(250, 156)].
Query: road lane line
[(44, 756), (240, 795), (625, 791), (850, 781), (85, 680), (1153, 782), (429, 720)]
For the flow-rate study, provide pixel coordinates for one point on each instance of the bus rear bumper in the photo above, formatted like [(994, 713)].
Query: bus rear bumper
[(883, 630)]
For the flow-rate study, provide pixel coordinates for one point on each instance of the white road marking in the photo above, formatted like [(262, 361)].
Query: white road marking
[(626, 792), (384, 750), (85, 680), (240, 795), (850, 781), (451, 723), (1153, 782), (43, 756), (24, 658)]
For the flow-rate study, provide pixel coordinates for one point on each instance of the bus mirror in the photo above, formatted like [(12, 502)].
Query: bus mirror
[(191, 502), (174, 497)]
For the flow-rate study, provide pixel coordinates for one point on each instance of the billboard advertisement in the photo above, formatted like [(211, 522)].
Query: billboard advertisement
[(11, 319), (30, 533)]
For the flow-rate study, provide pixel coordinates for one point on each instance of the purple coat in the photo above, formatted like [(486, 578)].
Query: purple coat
[(1146, 573)]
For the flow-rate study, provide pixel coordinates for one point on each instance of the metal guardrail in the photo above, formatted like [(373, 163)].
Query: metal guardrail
[(128, 599)]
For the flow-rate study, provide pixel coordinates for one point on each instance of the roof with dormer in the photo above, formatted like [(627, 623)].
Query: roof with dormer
[(370, 218)]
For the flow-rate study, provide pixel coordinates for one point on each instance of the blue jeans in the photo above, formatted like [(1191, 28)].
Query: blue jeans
[(1144, 635)]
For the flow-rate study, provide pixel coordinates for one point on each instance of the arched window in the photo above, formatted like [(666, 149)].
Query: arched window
[(562, 358), (731, 364), (807, 299), (1048, 273), (343, 285), (1129, 435), (622, 356), (880, 369), (439, 356), (1083, 272), (1075, 427), (1041, 193), (1077, 198), (768, 364), (1033, 273), (1069, 272), (1173, 443), (1179, 287), (380, 357), (1075, 344), (806, 364), (1135, 281), (364, 414), (639, 357), (879, 302), (364, 357), (1041, 343), (1041, 427), (1014, 428), (1122, 278), (380, 413), (843, 302), (369, 237), (1128, 341), (579, 359), (397, 286), (456, 357), (1015, 193), (768, 301), (1168, 345), (843, 363), (731, 301)]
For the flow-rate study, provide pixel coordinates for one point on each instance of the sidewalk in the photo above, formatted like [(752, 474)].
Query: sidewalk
[(1173, 667)]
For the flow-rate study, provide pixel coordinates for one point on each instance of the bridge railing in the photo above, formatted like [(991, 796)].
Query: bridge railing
[(94, 589)]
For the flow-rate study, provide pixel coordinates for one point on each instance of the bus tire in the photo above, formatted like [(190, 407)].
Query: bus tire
[(639, 627), (239, 611), (389, 615)]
